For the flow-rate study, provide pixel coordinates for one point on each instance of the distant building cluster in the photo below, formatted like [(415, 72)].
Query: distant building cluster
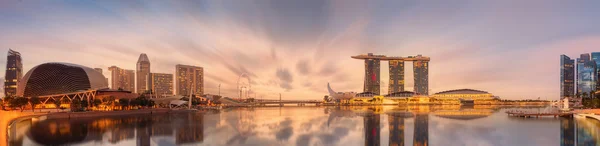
[(71, 80), (579, 78)]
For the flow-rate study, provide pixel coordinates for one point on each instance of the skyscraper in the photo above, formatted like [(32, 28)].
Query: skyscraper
[(122, 79), (567, 76), (596, 58), (372, 75), (14, 72), (160, 84), (142, 71), (396, 83), (189, 77), (421, 72), (586, 75)]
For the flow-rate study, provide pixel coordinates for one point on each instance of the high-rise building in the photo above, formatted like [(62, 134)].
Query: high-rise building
[(396, 83), (189, 78), (142, 71), (122, 79), (14, 72), (160, 84), (567, 76), (372, 75), (586, 75), (421, 72), (596, 58)]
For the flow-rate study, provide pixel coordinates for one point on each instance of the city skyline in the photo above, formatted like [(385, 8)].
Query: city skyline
[(297, 51)]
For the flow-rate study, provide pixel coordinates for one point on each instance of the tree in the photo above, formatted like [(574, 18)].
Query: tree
[(96, 103), (20, 102), (124, 103), (33, 101), (110, 102), (7, 101), (84, 104), (578, 94), (76, 105), (592, 94), (585, 95), (57, 103)]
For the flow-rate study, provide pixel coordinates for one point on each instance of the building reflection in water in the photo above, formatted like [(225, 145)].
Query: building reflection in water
[(396, 128), (567, 132), (372, 129), (187, 127), (587, 132), (421, 137)]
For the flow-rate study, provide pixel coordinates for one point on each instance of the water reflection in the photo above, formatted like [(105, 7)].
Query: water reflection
[(304, 126)]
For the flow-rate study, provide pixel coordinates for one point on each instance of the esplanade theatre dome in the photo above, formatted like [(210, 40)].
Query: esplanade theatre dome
[(60, 78)]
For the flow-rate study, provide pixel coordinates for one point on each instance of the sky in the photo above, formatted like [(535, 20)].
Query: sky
[(509, 48)]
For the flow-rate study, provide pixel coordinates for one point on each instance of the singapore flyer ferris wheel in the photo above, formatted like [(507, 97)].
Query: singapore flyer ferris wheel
[(243, 85)]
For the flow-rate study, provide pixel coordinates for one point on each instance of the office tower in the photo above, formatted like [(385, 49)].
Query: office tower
[(421, 70), (189, 78), (596, 59), (160, 84), (586, 75), (142, 71), (122, 79), (372, 75), (14, 72), (396, 76), (567, 76)]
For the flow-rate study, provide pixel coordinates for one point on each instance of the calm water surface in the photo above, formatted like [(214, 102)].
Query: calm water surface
[(304, 126)]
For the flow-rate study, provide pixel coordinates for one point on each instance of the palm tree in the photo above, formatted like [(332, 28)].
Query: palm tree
[(578, 94), (33, 101), (585, 95)]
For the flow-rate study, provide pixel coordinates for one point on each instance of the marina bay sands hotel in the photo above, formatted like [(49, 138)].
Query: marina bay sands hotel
[(396, 67)]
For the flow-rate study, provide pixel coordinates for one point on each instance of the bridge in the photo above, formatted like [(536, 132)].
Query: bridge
[(266, 102)]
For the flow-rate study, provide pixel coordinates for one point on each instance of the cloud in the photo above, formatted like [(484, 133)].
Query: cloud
[(285, 77), (303, 67)]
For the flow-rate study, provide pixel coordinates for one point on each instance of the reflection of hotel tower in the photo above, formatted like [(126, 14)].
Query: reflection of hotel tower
[(396, 124), (191, 130), (372, 129), (567, 132), (396, 68), (421, 137)]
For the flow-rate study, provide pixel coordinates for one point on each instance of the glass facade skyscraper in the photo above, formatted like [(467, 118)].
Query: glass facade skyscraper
[(14, 72), (396, 83), (586, 75), (567, 76), (596, 58)]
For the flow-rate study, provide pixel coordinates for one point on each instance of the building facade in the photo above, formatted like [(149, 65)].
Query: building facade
[(372, 76), (189, 79), (396, 72), (596, 59), (396, 83), (160, 84), (122, 79), (586, 75), (567, 76), (60, 78), (142, 71), (14, 72), (421, 73)]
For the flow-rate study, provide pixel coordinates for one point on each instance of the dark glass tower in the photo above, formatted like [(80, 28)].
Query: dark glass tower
[(14, 72), (596, 59), (372, 70), (396, 76), (586, 75), (567, 76), (421, 69)]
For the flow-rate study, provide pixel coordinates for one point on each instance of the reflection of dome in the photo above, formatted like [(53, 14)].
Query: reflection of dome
[(60, 132), (59, 78), (463, 91), (464, 114)]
